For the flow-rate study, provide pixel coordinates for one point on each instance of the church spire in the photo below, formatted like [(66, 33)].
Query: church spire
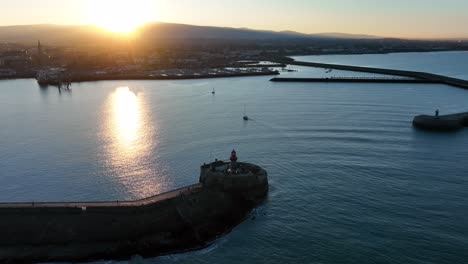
[(39, 53)]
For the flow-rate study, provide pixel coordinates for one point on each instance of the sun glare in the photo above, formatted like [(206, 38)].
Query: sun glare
[(121, 16)]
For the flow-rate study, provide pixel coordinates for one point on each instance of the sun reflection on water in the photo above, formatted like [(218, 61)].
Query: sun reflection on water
[(130, 145), (127, 118)]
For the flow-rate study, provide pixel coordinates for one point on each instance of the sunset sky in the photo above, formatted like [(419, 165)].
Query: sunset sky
[(396, 18)]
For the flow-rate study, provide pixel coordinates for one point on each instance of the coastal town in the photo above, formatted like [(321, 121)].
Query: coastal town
[(53, 64)]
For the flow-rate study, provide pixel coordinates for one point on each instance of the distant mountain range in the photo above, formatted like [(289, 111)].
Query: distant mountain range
[(64, 34), (169, 30), (330, 35)]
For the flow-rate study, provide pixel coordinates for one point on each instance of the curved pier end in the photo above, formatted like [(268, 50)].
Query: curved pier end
[(441, 123), (247, 181), (181, 220)]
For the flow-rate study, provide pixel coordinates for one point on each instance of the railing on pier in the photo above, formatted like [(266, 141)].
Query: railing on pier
[(84, 205)]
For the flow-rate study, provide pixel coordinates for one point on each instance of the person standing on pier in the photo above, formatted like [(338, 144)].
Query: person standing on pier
[(437, 113)]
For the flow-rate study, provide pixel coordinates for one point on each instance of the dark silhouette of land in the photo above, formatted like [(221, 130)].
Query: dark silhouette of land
[(163, 33), (175, 51), (81, 35)]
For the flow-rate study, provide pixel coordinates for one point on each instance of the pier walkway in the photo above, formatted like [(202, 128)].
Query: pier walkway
[(434, 78), (355, 80), (84, 205)]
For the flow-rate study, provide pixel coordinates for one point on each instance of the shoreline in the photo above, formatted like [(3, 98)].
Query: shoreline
[(190, 75), (79, 79), (266, 69)]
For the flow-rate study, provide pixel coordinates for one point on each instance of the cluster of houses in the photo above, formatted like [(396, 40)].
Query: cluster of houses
[(20, 61)]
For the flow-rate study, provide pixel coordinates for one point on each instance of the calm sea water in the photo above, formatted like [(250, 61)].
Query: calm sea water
[(351, 180)]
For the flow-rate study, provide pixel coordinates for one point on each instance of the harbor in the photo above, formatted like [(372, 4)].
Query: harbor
[(121, 122), (96, 144)]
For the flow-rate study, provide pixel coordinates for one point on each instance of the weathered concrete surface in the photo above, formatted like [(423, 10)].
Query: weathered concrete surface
[(441, 123), (181, 220)]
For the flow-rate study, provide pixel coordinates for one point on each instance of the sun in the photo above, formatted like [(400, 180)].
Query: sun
[(121, 16)]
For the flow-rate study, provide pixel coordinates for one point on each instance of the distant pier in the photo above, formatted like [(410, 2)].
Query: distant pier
[(355, 80), (441, 123), (432, 78)]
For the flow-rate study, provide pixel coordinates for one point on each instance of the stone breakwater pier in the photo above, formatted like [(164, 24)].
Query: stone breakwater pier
[(428, 77), (354, 80), (436, 122), (441, 123), (181, 220)]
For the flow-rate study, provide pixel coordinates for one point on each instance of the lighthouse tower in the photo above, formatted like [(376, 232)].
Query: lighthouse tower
[(233, 159)]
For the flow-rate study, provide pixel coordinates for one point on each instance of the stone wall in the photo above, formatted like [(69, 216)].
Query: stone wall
[(181, 220), (177, 224), (251, 183)]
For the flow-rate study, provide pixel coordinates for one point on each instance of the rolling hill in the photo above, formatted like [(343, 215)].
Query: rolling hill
[(66, 34)]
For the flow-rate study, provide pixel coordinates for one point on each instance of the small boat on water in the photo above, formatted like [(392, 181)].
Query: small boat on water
[(245, 117)]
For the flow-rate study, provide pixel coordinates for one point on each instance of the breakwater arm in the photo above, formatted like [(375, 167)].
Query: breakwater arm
[(177, 221), (441, 123), (413, 74), (355, 80), (86, 205)]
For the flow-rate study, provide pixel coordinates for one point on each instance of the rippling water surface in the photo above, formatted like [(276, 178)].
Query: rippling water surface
[(351, 180)]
